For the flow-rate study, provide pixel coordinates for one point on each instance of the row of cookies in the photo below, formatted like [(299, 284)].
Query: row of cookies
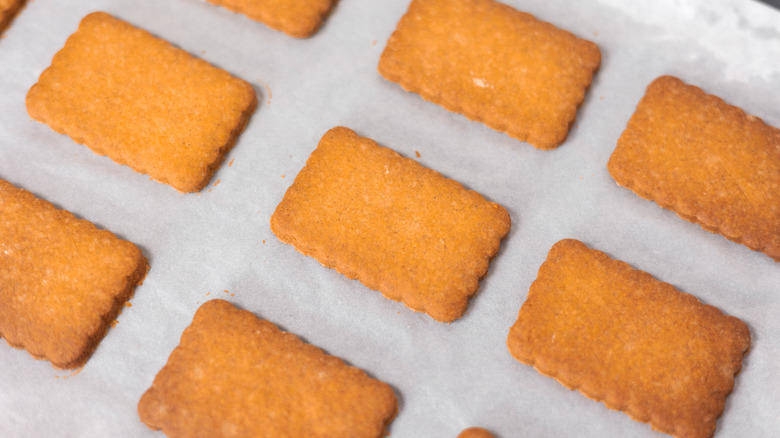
[(724, 176), (479, 82), (594, 323)]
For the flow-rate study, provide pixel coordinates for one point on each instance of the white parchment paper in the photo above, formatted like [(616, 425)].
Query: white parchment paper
[(448, 377)]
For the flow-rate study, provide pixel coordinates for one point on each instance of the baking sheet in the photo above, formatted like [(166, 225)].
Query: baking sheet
[(448, 377)]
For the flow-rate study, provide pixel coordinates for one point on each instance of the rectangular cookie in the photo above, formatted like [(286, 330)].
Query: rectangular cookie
[(8, 10), (620, 336), (62, 281), (396, 226), (494, 65), (236, 375), (297, 18), (706, 160), (142, 102)]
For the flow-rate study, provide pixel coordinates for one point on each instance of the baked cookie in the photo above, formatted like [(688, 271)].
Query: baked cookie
[(475, 432), (142, 102), (297, 18), (8, 10), (62, 281), (620, 336), (396, 226), (706, 160), (236, 375), (494, 65)]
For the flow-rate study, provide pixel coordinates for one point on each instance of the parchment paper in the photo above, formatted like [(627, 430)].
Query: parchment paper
[(448, 377)]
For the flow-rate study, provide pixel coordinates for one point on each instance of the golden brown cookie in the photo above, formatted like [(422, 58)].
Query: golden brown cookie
[(706, 160), (475, 432), (239, 376), (396, 226), (8, 10), (620, 336), (494, 65), (62, 281), (297, 18), (142, 102)]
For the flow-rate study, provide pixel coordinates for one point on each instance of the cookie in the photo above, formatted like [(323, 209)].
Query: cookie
[(62, 280), (234, 374), (475, 432), (297, 18), (398, 227), (142, 102), (494, 65), (620, 336), (8, 10), (706, 160)]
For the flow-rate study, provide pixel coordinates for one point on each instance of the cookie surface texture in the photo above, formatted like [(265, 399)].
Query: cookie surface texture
[(8, 10), (297, 18), (236, 375), (620, 336), (706, 160), (494, 65), (142, 102), (62, 281), (396, 226)]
